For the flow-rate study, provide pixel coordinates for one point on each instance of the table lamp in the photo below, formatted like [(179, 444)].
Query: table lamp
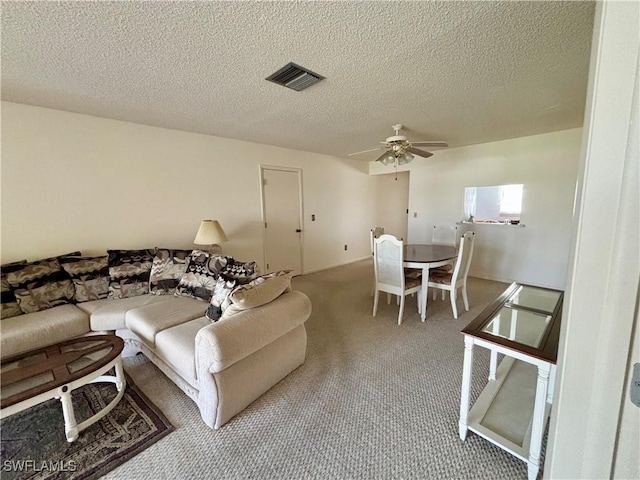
[(211, 234)]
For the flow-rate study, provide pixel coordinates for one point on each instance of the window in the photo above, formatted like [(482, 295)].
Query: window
[(510, 200), (495, 204)]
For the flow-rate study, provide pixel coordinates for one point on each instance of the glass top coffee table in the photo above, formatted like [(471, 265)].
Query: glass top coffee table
[(34, 377), (522, 324)]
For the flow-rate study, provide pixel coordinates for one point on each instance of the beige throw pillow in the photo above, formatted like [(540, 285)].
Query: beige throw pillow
[(260, 290)]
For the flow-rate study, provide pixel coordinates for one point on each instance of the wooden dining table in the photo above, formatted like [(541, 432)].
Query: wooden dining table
[(425, 257)]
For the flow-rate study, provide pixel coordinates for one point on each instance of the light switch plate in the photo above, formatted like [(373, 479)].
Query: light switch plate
[(634, 389)]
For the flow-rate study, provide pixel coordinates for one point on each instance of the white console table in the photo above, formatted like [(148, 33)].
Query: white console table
[(523, 324)]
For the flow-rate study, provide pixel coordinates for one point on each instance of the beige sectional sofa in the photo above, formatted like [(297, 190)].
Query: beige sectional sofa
[(223, 366)]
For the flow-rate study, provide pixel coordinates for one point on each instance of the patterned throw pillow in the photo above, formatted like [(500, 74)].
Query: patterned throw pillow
[(90, 276), (243, 272), (220, 299), (258, 292), (41, 285), (201, 275), (129, 272), (10, 307), (167, 270)]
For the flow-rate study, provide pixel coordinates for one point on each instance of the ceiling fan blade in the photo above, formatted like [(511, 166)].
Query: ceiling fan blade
[(430, 144), (364, 151), (420, 153), (379, 159)]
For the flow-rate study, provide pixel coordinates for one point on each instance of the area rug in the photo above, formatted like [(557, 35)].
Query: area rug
[(34, 446)]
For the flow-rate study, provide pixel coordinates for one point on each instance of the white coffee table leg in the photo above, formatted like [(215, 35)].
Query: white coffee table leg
[(120, 380), (423, 292), (70, 425), (538, 421), (466, 387)]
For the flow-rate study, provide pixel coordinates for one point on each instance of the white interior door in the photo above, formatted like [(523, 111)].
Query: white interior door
[(282, 215)]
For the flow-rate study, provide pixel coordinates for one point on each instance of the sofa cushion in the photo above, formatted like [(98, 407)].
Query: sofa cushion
[(177, 345), (166, 270), (9, 304), (107, 314), (147, 321), (201, 275), (39, 329), (90, 277), (41, 285), (261, 290), (129, 272)]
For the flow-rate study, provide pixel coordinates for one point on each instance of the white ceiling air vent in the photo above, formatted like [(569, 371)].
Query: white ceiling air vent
[(295, 77)]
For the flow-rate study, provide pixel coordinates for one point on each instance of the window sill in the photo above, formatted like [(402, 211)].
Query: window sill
[(495, 224)]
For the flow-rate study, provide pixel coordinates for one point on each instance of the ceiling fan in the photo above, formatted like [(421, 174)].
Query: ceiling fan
[(400, 150)]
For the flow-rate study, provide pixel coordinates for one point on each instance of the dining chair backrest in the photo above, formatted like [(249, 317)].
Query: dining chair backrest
[(387, 260), (465, 253), (374, 233), (445, 235)]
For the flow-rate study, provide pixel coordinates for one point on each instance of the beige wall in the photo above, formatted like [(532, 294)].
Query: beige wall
[(392, 200), (77, 182), (73, 181), (547, 166)]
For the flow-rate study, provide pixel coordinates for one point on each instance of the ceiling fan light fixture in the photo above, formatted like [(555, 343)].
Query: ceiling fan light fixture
[(389, 159), (400, 151), (404, 159)]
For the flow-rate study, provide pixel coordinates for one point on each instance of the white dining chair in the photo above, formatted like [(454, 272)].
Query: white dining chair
[(446, 235), (374, 233), (390, 274), (452, 281)]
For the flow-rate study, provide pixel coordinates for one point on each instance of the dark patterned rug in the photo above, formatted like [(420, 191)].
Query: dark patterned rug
[(33, 444)]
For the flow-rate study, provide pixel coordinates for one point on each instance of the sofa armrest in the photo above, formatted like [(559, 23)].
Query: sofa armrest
[(232, 339)]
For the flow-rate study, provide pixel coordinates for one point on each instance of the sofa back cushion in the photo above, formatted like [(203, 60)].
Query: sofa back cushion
[(129, 272), (90, 277), (258, 292), (167, 269), (41, 285), (9, 304), (235, 273)]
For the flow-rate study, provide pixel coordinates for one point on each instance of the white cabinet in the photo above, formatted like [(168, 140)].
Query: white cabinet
[(523, 324)]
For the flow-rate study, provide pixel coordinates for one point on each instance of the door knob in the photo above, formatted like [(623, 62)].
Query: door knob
[(298, 230)]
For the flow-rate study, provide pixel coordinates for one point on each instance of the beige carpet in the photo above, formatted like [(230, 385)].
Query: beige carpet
[(373, 400)]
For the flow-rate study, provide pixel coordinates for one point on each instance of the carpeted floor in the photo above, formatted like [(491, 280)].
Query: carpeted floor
[(372, 400), (34, 445)]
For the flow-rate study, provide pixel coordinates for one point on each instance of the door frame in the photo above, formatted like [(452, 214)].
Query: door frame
[(263, 208)]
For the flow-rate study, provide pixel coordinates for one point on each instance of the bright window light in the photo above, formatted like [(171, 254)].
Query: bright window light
[(510, 200)]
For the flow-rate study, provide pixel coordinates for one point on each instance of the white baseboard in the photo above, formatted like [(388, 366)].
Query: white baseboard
[(368, 257)]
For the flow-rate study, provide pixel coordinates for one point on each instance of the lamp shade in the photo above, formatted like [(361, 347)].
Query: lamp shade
[(210, 233)]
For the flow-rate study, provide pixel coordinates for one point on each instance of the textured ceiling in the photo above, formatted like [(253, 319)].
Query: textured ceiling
[(464, 72)]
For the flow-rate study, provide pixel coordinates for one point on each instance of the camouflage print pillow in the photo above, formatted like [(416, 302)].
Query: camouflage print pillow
[(167, 270), (219, 300), (10, 307), (129, 272), (201, 275), (41, 285), (242, 272), (90, 276)]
